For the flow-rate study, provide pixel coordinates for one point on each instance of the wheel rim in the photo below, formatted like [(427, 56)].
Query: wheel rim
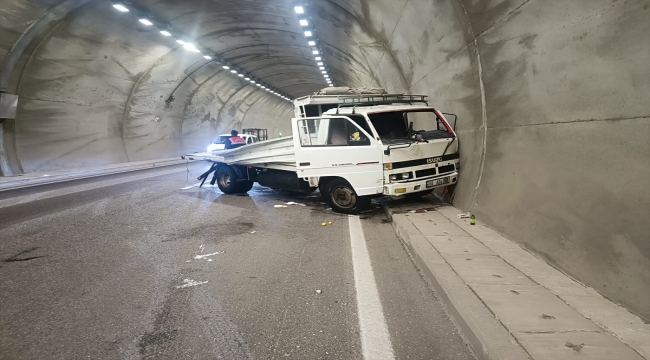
[(343, 197), (224, 180)]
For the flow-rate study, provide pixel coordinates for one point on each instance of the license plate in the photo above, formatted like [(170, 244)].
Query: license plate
[(436, 182)]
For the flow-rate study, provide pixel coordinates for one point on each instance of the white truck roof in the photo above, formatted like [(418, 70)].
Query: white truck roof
[(374, 109), (359, 99)]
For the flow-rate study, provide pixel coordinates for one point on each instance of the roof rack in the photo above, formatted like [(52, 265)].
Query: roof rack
[(386, 99)]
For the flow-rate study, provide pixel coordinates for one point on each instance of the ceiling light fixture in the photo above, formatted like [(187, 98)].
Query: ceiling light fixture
[(207, 57), (315, 52), (180, 41), (146, 21), (247, 79), (324, 72), (321, 68), (233, 71), (299, 9), (240, 75), (190, 47), (252, 81), (226, 67), (121, 7), (166, 33), (308, 33), (318, 58), (304, 22), (311, 43), (319, 64)]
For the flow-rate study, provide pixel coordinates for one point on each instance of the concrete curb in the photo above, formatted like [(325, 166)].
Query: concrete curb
[(28, 180), (482, 330)]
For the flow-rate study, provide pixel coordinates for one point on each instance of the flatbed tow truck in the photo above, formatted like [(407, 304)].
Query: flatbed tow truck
[(350, 147)]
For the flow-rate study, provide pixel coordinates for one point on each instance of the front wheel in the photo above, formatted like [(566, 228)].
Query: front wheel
[(340, 195)]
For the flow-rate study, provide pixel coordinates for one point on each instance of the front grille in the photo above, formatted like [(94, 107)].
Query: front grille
[(425, 172), (418, 162), (446, 169)]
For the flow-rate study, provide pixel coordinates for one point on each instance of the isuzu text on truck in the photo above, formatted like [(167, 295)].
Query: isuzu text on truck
[(350, 147)]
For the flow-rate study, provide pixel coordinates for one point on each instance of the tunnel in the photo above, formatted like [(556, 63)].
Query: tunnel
[(552, 99)]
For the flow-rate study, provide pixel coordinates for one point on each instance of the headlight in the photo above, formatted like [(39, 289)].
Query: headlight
[(402, 176), (388, 166)]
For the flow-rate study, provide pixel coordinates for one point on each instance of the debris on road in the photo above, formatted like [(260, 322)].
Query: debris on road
[(323, 224), (463, 216), (199, 257), (280, 206), (329, 223), (418, 211), (574, 347), (253, 232), (295, 203), (548, 317), (319, 291), (188, 283)]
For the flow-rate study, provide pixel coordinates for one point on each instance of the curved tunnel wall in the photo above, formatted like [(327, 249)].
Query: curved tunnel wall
[(553, 99), (551, 96), (93, 90)]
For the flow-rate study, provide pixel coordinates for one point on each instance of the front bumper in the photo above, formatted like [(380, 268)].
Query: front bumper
[(402, 188)]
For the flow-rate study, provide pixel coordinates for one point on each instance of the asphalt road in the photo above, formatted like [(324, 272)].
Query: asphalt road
[(144, 265)]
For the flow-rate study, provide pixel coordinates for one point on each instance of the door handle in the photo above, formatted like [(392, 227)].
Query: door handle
[(305, 164)]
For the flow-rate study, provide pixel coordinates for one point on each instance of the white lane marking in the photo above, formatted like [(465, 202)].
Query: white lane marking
[(375, 339)]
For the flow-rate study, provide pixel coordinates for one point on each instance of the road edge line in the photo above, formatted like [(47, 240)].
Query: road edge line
[(373, 329)]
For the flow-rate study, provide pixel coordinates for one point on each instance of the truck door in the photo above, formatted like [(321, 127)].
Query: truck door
[(336, 146)]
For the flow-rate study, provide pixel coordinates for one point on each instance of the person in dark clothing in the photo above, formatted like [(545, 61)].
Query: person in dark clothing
[(234, 141)]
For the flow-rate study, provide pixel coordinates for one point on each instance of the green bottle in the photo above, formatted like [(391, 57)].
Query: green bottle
[(472, 220)]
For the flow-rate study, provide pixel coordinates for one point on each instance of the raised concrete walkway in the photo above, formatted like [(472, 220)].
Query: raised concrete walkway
[(509, 303), (34, 179)]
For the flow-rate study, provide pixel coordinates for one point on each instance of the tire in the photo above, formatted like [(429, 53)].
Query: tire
[(244, 186), (227, 180), (340, 195)]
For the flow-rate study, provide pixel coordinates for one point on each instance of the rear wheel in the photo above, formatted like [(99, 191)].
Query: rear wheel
[(340, 195), (227, 180), (244, 186)]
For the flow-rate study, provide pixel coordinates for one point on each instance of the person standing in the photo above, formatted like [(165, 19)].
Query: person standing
[(234, 141)]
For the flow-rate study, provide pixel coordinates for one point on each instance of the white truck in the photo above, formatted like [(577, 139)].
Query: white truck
[(350, 147)]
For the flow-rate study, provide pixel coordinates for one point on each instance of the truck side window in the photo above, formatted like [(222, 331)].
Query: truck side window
[(331, 132)]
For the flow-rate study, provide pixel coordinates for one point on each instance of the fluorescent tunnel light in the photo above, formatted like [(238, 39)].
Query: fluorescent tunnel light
[(166, 33), (304, 22), (311, 43), (308, 33), (121, 7), (207, 57), (299, 9), (146, 21)]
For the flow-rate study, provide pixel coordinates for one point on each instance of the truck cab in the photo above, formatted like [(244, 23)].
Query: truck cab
[(380, 144)]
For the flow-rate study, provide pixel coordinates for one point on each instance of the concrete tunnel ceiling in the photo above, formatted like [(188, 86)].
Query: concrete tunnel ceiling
[(551, 96)]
